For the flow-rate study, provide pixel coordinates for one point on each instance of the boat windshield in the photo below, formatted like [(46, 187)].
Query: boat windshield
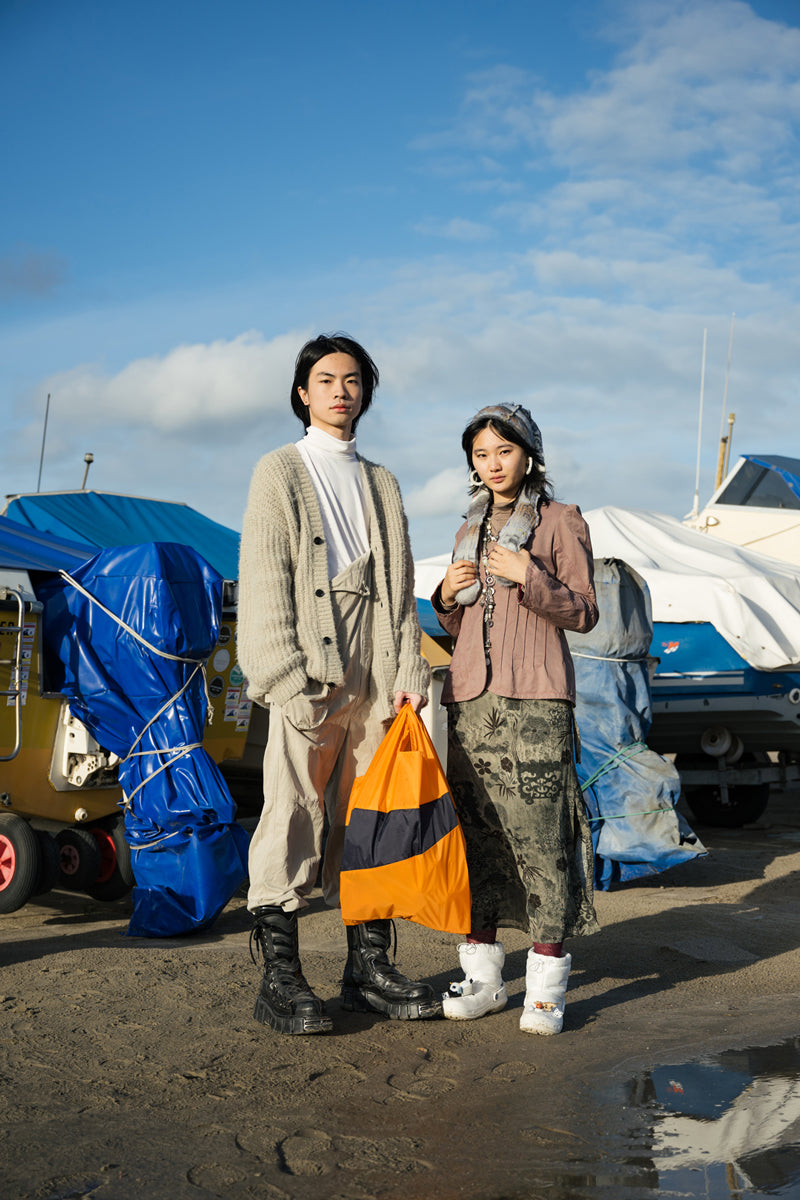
[(759, 486)]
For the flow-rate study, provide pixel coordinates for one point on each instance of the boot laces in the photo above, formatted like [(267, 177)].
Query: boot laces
[(254, 937)]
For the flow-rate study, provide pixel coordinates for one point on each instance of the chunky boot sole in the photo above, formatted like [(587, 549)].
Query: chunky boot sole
[(367, 1000), (297, 1024)]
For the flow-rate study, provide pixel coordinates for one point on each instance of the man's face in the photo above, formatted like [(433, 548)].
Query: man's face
[(334, 394)]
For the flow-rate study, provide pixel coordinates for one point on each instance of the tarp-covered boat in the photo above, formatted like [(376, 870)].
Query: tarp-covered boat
[(726, 634)]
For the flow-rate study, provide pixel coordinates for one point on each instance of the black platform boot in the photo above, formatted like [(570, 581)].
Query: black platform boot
[(372, 984), (285, 1001)]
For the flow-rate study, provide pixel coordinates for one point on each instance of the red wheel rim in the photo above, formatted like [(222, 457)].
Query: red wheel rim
[(108, 854), (8, 862)]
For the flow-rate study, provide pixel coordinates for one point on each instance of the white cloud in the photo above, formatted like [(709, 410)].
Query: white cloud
[(192, 385), (443, 495)]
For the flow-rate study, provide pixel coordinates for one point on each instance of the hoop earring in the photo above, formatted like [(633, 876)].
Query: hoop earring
[(475, 479), (529, 467)]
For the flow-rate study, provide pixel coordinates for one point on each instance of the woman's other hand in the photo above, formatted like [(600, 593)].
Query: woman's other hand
[(459, 575), (413, 698)]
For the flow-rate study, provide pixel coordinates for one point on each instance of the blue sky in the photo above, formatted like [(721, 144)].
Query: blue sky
[(521, 201)]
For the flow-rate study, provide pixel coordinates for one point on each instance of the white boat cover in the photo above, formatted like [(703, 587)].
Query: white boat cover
[(752, 600), (428, 574)]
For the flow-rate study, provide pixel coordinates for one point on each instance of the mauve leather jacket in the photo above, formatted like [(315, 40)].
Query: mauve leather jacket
[(529, 654)]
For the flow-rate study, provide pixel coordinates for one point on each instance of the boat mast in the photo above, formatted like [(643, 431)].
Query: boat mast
[(696, 506), (725, 442), (44, 438)]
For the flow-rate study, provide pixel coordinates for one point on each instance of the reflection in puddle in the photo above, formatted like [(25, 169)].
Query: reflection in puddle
[(730, 1124), (725, 1127)]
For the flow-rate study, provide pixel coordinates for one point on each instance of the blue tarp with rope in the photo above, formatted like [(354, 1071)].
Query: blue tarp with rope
[(629, 790), (131, 629)]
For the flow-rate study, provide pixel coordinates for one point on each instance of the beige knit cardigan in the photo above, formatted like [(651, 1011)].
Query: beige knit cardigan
[(285, 631)]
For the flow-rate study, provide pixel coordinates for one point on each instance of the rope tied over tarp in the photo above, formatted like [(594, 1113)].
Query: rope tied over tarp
[(610, 763), (173, 753)]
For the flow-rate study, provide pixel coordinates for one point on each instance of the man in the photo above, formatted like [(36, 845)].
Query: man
[(328, 636)]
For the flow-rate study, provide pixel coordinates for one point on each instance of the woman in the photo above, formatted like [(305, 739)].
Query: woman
[(521, 574)]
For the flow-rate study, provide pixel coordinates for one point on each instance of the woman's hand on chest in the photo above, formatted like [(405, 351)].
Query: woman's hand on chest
[(509, 564)]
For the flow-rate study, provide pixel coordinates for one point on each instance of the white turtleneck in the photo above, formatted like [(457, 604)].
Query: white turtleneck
[(336, 475)]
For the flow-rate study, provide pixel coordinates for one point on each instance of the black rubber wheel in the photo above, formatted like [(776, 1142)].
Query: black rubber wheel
[(115, 878), (745, 803), (81, 860), (50, 868), (20, 862)]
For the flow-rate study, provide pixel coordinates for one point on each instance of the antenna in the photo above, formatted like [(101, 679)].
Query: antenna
[(729, 440), (44, 436), (696, 506), (88, 459)]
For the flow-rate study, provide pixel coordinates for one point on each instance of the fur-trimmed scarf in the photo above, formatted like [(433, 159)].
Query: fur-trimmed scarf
[(513, 535)]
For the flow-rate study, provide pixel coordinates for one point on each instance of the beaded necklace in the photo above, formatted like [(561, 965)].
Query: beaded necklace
[(493, 522)]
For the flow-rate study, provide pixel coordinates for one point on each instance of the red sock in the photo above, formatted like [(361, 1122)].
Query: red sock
[(551, 949), (483, 937)]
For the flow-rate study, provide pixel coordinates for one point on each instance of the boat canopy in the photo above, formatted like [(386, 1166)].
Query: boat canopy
[(26, 549), (751, 599), (107, 519)]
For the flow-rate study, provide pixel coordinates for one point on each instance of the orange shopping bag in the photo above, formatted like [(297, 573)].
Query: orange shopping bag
[(404, 853)]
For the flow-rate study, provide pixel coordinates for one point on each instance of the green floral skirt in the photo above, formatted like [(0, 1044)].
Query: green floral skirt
[(511, 770)]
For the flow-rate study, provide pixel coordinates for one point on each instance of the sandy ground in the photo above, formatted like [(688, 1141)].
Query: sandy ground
[(134, 1068)]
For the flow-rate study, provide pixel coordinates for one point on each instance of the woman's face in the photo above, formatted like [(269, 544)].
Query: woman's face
[(334, 393), (500, 464)]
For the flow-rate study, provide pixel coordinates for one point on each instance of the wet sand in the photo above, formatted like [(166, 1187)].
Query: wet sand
[(134, 1068)]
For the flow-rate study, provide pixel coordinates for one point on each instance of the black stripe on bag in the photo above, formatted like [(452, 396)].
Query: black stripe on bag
[(377, 839)]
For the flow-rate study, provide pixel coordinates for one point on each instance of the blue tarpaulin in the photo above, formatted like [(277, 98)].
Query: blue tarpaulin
[(106, 519), (630, 791), (131, 629)]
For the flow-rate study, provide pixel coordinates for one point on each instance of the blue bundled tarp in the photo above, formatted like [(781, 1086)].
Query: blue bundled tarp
[(629, 790), (132, 628)]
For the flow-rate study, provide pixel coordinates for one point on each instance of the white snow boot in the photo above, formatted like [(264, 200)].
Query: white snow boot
[(546, 985), (482, 990)]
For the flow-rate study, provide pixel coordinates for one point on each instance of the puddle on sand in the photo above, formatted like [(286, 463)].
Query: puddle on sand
[(723, 1127)]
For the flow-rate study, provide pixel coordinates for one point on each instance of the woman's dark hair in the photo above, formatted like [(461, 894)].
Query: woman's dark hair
[(503, 429), (320, 347)]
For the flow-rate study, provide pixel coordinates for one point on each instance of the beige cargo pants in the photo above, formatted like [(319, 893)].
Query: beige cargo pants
[(318, 743)]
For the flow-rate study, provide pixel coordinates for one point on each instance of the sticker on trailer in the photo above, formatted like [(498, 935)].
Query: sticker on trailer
[(221, 660)]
